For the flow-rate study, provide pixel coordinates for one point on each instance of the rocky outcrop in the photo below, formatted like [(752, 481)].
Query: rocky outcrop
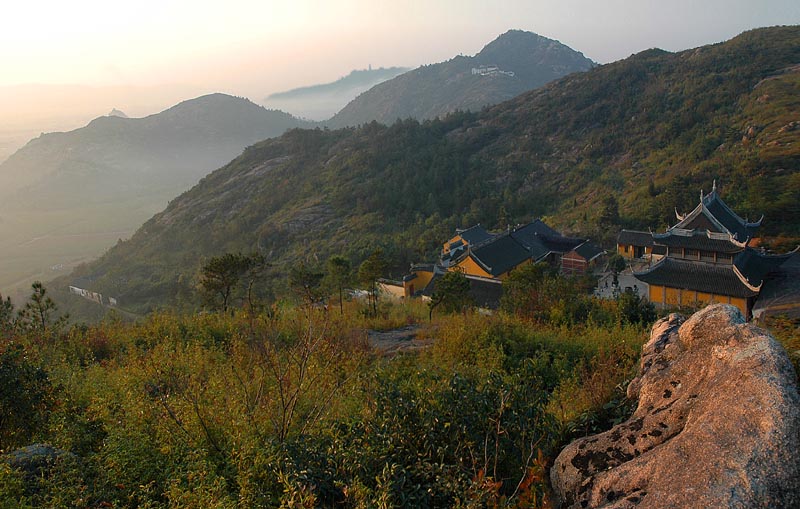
[(35, 460), (717, 425)]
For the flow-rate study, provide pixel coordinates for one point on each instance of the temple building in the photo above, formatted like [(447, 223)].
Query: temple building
[(707, 257), (486, 258)]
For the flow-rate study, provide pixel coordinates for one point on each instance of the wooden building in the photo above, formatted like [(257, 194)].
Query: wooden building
[(494, 259), (462, 241), (636, 244), (708, 259), (418, 278), (581, 259), (487, 258), (495, 255)]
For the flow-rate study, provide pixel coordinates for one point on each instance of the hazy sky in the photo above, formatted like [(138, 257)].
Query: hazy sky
[(253, 48)]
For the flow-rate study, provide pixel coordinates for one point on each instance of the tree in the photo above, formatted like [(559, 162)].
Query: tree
[(338, 273), (221, 275), (536, 291), (306, 283), (369, 272), (38, 312), (503, 218), (25, 397), (254, 273), (616, 264), (609, 213), (6, 316), (451, 292), (651, 188), (635, 309)]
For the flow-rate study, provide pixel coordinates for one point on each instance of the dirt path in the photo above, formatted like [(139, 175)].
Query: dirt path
[(404, 339)]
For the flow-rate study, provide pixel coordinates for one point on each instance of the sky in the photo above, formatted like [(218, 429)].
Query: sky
[(256, 47)]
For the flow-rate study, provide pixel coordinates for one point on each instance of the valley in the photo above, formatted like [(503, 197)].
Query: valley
[(514, 271)]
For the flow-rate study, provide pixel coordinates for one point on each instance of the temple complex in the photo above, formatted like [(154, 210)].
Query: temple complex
[(708, 256)]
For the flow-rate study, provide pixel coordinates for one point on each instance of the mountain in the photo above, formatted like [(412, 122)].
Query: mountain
[(68, 196), (320, 102), (30, 109), (621, 145), (514, 63), (117, 113)]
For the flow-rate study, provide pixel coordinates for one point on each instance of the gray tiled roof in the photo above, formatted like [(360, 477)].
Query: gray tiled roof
[(712, 213), (475, 235), (501, 255), (755, 266), (692, 275), (540, 239), (735, 224), (696, 240), (635, 238), (589, 251)]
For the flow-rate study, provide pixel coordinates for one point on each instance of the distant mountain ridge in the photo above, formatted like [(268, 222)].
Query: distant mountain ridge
[(99, 182), (320, 102), (647, 133), (356, 78), (515, 62), (175, 148)]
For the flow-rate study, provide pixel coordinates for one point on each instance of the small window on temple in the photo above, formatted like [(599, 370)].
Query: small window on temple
[(693, 254)]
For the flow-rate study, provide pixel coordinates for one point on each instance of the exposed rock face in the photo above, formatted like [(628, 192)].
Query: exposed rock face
[(35, 460), (717, 425)]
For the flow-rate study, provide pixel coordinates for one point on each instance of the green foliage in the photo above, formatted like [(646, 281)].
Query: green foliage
[(451, 292), (6, 316), (561, 152), (370, 270), (221, 277), (12, 489), (289, 406), (38, 313), (616, 263), (635, 309), (26, 396), (337, 275), (535, 290), (439, 439), (539, 293), (306, 283), (787, 331)]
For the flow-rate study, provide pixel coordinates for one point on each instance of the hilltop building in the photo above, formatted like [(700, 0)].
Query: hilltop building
[(706, 257), (490, 70)]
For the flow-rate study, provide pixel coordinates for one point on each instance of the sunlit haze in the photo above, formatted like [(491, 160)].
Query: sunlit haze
[(253, 48)]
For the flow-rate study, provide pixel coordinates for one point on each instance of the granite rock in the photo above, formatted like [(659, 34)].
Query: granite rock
[(717, 425)]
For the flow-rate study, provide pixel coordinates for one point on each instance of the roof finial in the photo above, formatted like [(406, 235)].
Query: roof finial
[(714, 186), (701, 195)]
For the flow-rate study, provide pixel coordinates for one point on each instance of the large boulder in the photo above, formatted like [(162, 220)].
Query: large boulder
[(36, 461), (717, 425)]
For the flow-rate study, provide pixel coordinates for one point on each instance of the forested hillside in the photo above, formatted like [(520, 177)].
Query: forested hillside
[(621, 145)]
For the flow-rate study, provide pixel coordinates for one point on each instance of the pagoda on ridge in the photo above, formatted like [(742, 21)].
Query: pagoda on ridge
[(706, 257)]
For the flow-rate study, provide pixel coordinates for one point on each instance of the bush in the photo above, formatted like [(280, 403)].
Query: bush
[(26, 397)]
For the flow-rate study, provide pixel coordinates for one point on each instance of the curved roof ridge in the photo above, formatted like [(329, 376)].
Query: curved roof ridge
[(653, 267), (480, 262), (713, 197), (744, 280), (756, 224)]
